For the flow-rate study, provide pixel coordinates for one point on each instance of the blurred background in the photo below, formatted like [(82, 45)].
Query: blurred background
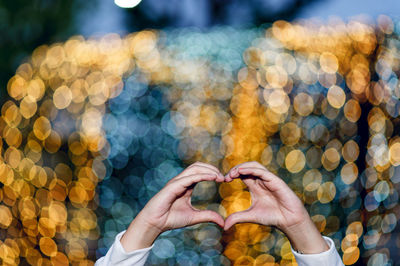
[(103, 102), (25, 25)]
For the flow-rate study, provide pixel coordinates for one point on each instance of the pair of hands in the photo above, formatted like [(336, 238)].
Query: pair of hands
[(273, 204)]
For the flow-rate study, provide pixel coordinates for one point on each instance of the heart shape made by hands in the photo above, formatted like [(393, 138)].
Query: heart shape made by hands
[(224, 198), (261, 198)]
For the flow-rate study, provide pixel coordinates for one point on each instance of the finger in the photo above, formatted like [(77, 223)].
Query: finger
[(239, 217), (230, 174), (249, 182), (271, 182), (247, 165), (233, 172), (179, 186), (251, 164), (207, 216), (198, 168), (188, 193), (205, 165), (262, 173)]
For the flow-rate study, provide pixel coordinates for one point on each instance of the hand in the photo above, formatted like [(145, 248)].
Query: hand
[(275, 204), (170, 208)]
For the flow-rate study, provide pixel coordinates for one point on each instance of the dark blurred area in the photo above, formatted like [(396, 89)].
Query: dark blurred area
[(25, 25), (203, 14)]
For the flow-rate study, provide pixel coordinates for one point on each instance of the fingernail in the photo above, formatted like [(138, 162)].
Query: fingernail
[(234, 172)]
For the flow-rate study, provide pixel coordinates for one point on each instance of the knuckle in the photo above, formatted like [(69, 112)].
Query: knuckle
[(260, 165), (195, 171)]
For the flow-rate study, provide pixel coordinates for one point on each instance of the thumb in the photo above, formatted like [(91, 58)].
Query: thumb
[(239, 217), (207, 216)]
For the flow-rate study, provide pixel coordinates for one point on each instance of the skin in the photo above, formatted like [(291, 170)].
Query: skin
[(273, 204), (170, 208)]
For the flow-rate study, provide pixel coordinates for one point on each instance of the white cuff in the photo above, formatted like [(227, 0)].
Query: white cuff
[(327, 258), (117, 255)]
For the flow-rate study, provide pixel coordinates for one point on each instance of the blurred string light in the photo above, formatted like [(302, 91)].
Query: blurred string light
[(96, 127), (127, 3)]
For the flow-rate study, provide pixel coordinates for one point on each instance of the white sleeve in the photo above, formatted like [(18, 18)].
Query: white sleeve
[(116, 255), (327, 258)]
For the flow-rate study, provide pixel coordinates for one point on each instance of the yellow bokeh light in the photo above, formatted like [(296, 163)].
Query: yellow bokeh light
[(303, 104), (278, 101), (352, 110), (57, 213), (350, 151), (42, 128), (355, 228), (5, 217), (62, 97), (276, 76), (336, 96), (48, 246), (295, 161), (329, 63), (312, 179), (394, 152), (264, 260), (290, 133), (330, 159), (351, 255), (326, 192), (349, 173)]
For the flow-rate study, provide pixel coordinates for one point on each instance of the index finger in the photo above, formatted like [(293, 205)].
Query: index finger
[(250, 164), (250, 168), (199, 168), (179, 186), (205, 165)]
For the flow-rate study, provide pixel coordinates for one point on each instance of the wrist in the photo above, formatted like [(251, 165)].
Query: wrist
[(305, 238), (140, 234)]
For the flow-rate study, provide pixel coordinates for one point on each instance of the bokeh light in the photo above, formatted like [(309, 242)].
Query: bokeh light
[(127, 3), (95, 127)]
